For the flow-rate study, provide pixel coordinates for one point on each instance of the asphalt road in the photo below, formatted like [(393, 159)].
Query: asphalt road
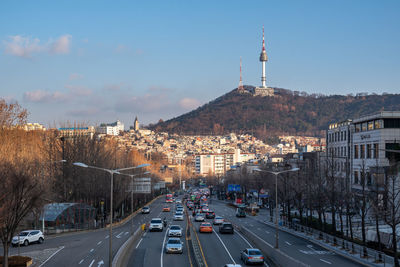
[(83, 248), (296, 247), (150, 249)]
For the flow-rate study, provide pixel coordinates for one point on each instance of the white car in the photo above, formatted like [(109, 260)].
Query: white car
[(145, 210), (175, 230), (156, 224), (27, 237), (178, 216), (178, 201)]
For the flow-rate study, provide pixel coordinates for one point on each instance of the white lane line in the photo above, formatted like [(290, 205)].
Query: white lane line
[(227, 251), (325, 261), (139, 242), (267, 232), (92, 250), (288, 243), (107, 236), (126, 233), (51, 256), (81, 261), (259, 229), (245, 240), (98, 243), (162, 249), (251, 225), (119, 235), (91, 263)]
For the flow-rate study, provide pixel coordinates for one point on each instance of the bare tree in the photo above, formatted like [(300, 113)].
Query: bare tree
[(11, 114)]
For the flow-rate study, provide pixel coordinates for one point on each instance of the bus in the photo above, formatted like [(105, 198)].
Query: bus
[(169, 199)]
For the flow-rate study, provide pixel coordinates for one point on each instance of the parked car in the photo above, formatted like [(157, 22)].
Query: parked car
[(226, 227), (252, 255), (145, 210), (156, 224), (27, 237), (174, 245)]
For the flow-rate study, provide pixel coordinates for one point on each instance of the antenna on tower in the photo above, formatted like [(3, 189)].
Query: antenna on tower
[(240, 87)]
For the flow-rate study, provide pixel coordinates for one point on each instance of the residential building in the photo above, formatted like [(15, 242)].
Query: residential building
[(114, 128)]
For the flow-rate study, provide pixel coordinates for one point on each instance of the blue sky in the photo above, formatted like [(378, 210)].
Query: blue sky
[(98, 61)]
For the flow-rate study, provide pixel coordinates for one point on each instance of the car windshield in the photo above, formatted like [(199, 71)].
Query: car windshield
[(175, 227), (174, 241), (155, 221), (206, 224), (23, 234), (254, 252)]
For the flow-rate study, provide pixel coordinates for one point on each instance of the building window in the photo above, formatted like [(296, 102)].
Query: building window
[(370, 125), (356, 151), (376, 151), (344, 135), (378, 124), (364, 127), (358, 127), (356, 177), (369, 179), (392, 123), (362, 151), (368, 151)]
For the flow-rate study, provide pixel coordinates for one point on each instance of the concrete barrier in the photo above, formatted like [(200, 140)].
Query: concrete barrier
[(124, 252)]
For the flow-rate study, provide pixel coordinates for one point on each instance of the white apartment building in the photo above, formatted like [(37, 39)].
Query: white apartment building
[(111, 128), (219, 163), (373, 138)]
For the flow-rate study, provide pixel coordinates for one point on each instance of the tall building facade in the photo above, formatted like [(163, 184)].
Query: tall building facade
[(114, 128)]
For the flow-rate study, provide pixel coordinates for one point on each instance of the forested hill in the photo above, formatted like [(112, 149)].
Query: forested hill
[(288, 112)]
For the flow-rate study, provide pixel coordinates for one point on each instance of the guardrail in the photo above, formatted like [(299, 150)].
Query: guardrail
[(194, 243)]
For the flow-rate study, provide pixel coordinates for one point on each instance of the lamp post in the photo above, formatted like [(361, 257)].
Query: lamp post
[(133, 175), (276, 200), (111, 172)]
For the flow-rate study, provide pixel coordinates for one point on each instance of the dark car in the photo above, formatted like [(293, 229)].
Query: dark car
[(210, 215), (226, 228)]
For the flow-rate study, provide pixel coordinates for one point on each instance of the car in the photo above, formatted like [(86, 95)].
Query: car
[(205, 227), (27, 237), (252, 255), (178, 216), (179, 209), (240, 212), (145, 210), (218, 220), (210, 215), (175, 230), (232, 265), (156, 224), (226, 227), (166, 209), (199, 217), (174, 245), (178, 201), (205, 209)]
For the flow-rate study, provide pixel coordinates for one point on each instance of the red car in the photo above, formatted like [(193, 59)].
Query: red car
[(205, 227)]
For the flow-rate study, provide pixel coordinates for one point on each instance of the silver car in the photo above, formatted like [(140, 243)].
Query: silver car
[(174, 245), (252, 255), (175, 230), (178, 216)]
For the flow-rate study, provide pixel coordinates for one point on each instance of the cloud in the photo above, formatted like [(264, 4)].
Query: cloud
[(21, 46), (41, 96), (61, 45), (25, 46), (189, 103), (77, 90), (75, 76)]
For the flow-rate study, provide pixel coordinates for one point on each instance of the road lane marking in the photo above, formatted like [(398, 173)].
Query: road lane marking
[(119, 235), (98, 243), (245, 240), (288, 243), (81, 261), (91, 250), (107, 236), (259, 229), (126, 233), (227, 251), (251, 225), (100, 263), (267, 232), (325, 261), (139, 242), (90, 265), (51, 256), (162, 248)]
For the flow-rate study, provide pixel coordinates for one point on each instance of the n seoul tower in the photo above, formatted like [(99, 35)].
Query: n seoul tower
[(263, 59)]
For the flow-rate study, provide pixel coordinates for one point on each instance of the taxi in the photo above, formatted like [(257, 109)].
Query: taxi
[(205, 227), (166, 209)]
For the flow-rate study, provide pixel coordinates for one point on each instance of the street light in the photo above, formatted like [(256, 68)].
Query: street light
[(133, 175), (111, 172), (276, 200)]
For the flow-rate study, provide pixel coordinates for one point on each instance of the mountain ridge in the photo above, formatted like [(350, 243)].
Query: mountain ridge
[(288, 112)]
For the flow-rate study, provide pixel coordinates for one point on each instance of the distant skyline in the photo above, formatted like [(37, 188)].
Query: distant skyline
[(99, 61)]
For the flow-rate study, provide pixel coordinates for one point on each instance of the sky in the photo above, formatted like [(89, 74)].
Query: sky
[(98, 61)]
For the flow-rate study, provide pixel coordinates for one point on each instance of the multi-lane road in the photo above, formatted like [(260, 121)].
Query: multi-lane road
[(91, 248)]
